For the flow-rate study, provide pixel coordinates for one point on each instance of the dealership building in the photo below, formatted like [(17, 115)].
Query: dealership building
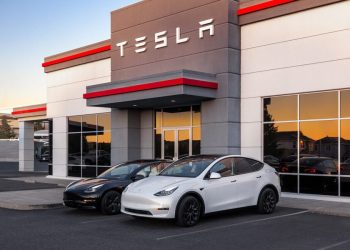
[(265, 79)]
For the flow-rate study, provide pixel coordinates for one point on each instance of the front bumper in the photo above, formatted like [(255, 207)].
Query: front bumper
[(149, 206), (75, 200)]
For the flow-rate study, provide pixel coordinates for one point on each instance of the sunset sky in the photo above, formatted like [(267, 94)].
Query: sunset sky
[(32, 30)]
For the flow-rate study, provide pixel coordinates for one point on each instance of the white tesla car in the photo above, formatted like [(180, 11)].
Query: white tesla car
[(198, 185)]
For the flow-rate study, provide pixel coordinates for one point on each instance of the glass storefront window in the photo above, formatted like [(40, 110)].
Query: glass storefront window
[(89, 123), (196, 141), (319, 139), (319, 185), (74, 149), (177, 132), (284, 108), (89, 144), (345, 103), (319, 105), (196, 116), (104, 122), (314, 157), (104, 148), (74, 124), (280, 146), (177, 117)]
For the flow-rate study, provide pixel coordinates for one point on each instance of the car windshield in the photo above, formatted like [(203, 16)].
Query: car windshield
[(188, 167), (121, 171)]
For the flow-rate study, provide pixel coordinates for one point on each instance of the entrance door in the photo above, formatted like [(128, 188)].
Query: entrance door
[(176, 143)]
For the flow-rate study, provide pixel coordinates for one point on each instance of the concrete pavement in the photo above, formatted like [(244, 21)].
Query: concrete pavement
[(32, 199)]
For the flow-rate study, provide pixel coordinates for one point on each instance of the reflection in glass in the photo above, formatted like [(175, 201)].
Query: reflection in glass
[(74, 171), (74, 149), (345, 147), (319, 139), (319, 106), (196, 141), (104, 148), (169, 144), (104, 122), (89, 123), (196, 115), (89, 141), (176, 117), (74, 124), (280, 146), (282, 108), (184, 143), (319, 185), (289, 183), (88, 171), (345, 103), (345, 186), (158, 144), (158, 118)]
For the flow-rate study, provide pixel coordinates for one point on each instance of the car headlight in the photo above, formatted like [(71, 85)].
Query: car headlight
[(166, 192), (93, 188)]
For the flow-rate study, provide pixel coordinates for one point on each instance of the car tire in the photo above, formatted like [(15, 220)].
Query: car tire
[(188, 212), (110, 203), (267, 201)]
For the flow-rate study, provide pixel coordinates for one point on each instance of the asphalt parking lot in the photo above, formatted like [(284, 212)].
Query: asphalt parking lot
[(66, 228)]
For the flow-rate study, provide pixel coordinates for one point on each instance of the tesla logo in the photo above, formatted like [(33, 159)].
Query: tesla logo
[(161, 38)]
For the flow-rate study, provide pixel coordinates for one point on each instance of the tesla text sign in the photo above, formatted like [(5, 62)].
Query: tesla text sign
[(161, 38)]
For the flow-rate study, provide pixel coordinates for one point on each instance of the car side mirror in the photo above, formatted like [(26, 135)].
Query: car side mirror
[(138, 177), (214, 176)]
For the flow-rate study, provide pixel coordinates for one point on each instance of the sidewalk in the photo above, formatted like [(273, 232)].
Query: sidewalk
[(328, 207), (32, 199)]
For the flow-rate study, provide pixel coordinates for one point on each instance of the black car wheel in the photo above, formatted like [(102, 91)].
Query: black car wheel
[(267, 201), (110, 203), (188, 212)]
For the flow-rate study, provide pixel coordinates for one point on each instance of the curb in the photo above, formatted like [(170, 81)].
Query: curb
[(25, 207)]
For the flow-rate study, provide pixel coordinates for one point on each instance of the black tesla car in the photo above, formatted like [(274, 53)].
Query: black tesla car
[(104, 191)]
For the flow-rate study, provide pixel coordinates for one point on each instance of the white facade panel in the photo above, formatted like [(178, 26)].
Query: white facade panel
[(79, 73), (300, 52), (313, 77), (251, 110), (331, 18), (251, 134), (74, 90)]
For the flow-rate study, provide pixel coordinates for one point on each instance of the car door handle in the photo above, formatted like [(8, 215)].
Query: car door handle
[(234, 181), (258, 177)]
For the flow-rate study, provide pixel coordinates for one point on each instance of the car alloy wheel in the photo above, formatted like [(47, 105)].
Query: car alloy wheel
[(189, 212), (110, 203), (267, 201)]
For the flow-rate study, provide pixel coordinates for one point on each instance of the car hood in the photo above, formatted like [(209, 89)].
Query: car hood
[(155, 184), (85, 183)]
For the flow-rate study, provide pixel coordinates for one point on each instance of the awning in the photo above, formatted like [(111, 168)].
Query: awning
[(168, 89)]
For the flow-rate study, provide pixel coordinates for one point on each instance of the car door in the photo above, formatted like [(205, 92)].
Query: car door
[(249, 178), (220, 194)]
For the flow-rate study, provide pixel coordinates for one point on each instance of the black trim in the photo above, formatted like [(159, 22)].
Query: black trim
[(136, 211)]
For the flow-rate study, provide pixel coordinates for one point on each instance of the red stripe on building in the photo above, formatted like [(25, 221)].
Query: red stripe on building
[(78, 55), (262, 6), (26, 111), (153, 85)]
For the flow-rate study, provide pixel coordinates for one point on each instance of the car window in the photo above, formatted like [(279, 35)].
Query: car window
[(223, 167), (245, 165), (152, 170)]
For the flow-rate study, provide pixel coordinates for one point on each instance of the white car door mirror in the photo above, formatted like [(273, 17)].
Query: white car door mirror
[(215, 175)]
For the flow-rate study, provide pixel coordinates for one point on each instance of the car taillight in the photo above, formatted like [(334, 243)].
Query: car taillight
[(310, 170), (284, 169)]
